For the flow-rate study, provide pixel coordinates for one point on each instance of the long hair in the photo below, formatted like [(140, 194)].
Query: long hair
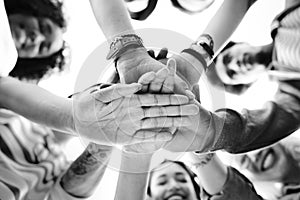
[(191, 174), (37, 68)]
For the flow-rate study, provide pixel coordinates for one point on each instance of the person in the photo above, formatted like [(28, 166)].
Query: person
[(33, 163), (37, 29), (275, 164), (175, 180), (239, 65)]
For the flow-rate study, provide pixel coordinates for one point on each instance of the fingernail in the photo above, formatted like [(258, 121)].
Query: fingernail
[(190, 94)]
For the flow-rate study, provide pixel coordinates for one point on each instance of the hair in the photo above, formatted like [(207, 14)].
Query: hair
[(37, 68), (191, 174), (215, 79)]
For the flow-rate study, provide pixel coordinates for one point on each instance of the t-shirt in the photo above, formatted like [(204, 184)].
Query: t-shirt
[(8, 52), (31, 163)]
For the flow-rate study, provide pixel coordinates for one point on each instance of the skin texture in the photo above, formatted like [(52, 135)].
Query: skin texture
[(35, 36), (86, 171), (171, 181)]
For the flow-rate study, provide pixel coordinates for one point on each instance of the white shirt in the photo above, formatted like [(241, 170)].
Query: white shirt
[(8, 52)]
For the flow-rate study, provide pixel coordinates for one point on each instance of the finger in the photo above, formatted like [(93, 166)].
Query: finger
[(169, 83), (116, 91), (151, 53), (162, 54), (165, 122), (183, 110), (156, 84), (196, 92), (158, 99), (146, 79), (150, 136)]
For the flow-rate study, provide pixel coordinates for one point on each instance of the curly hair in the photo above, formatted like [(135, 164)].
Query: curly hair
[(38, 68), (191, 174)]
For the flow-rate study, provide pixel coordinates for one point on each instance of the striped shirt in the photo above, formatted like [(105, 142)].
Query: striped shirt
[(287, 41), (31, 163)]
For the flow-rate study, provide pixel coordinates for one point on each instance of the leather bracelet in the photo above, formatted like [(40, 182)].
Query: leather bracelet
[(122, 43), (207, 49), (207, 43), (196, 55), (207, 39)]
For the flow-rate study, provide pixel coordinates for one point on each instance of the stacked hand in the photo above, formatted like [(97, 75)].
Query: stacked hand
[(116, 115)]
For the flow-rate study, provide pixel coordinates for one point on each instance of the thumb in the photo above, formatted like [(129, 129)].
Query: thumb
[(171, 65)]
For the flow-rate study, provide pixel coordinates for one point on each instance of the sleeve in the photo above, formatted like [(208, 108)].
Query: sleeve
[(8, 52), (237, 186), (253, 129)]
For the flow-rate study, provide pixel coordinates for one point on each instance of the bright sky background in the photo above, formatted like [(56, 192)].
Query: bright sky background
[(84, 36)]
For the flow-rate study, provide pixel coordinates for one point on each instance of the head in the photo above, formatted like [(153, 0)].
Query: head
[(241, 63), (173, 180), (37, 27), (277, 163)]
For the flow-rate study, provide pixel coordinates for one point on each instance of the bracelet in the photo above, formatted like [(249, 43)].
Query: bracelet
[(205, 159), (122, 43), (207, 43), (196, 55), (206, 38)]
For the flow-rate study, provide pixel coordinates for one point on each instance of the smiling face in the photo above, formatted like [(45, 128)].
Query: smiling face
[(271, 164), (35, 37), (171, 182), (240, 64)]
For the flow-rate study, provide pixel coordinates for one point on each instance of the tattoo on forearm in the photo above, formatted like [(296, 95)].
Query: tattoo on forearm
[(89, 166)]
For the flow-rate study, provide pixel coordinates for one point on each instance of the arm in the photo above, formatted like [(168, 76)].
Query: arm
[(226, 20), (253, 129), (36, 104), (132, 58), (112, 17), (221, 182), (133, 176), (85, 173)]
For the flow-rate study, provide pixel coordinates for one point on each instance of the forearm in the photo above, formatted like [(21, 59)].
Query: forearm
[(133, 175), (83, 176), (253, 129), (36, 104), (211, 171), (226, 20), (112, 17)]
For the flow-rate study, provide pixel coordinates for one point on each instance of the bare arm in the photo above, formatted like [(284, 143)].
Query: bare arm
[(226, 20), (112, 17), (221, 182), (133, 177), (36, 104), (85, 173)]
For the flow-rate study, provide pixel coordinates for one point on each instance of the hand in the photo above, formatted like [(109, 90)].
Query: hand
[(135, 63), (188, 68), (115, 115), (200, 136)]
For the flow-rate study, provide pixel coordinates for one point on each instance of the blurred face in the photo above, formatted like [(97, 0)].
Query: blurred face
[(35, 37), (271, 164), (239, 64), (171, 182)]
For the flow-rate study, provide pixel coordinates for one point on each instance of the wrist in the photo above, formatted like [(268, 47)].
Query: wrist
[(128, 64)]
